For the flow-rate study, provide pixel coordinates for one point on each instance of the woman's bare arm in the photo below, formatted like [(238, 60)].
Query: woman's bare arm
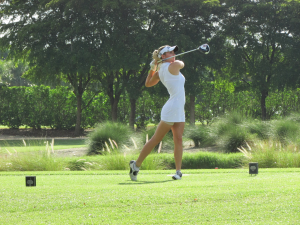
[(152, 79)]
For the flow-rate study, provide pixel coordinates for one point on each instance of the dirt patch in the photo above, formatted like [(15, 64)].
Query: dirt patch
[(190, 148), (71, 152)]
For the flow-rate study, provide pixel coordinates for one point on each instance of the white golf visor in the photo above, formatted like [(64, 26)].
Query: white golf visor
[(167, 49)]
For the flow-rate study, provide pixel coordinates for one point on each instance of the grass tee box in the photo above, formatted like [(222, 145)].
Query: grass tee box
[(109, 197)]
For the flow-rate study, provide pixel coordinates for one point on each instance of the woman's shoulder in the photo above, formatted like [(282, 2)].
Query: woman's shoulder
[(177, 64), (175, 67)]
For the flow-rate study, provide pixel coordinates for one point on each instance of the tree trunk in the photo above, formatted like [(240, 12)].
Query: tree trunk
[(192, 109), (132, 112), (264, 95), (114, 109), (78, 115)]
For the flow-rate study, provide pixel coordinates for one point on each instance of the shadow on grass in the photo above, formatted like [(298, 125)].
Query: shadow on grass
[(145, 182)]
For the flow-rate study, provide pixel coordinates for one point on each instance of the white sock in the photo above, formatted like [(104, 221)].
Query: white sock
[(135, 167)]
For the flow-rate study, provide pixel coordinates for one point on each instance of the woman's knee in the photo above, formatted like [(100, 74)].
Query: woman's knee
[(155, 140), (177, 140)]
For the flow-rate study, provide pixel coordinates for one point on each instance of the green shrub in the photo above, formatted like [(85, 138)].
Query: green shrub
[(234, 139), (200, 160), (285, 130), (229, 132), (209, 160), (200, 135), (261, 129), (63, 113), (13, 106), (235, 118), (38, 107), (107, 134), (221, 125)]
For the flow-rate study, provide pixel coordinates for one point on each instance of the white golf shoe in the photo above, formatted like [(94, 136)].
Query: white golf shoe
[(134, 170), (177, 175)]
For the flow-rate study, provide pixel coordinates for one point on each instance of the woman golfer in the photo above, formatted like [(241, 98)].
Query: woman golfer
[(172, 113)]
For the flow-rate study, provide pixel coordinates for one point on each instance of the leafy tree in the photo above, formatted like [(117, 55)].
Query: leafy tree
[(138, 27), (11, 73), (127, 41), (60, 39), (156, 29), (259, 33)]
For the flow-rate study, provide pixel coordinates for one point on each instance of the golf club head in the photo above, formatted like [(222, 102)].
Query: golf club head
[(204, 48)]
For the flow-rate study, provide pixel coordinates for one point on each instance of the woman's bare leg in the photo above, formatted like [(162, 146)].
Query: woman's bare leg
[(159, 134), (177, 130)]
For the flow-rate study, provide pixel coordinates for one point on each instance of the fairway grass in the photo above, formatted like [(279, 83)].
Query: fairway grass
[(109, 197)]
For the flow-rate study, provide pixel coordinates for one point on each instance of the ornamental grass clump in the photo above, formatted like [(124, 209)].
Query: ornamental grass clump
[(260, 129), (82, 164), (272, 154), (233, 139), (42, 160), (285, 130), (221, 125), (106, 133), (230, 132), (200, 135)]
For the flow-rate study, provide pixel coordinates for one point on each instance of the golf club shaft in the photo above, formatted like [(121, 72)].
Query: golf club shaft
[(179, 54)]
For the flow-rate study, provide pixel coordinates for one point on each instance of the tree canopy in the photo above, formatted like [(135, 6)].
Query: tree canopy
[(259, 34), (106, 45)]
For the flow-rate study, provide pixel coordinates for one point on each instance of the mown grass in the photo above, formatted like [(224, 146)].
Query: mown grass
[(109, 197)]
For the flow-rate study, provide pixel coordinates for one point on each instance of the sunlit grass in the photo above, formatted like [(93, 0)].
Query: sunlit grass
[(109, 197)]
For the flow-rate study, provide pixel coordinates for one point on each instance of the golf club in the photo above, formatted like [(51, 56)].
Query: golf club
[(202, 48)]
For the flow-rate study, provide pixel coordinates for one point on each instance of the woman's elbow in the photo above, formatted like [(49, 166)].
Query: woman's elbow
[(148, 85)]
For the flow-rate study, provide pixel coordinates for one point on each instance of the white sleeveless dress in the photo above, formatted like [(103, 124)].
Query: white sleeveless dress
[(173, 110)]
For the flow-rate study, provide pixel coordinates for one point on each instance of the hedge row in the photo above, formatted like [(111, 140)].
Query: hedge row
[(39, 106)]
